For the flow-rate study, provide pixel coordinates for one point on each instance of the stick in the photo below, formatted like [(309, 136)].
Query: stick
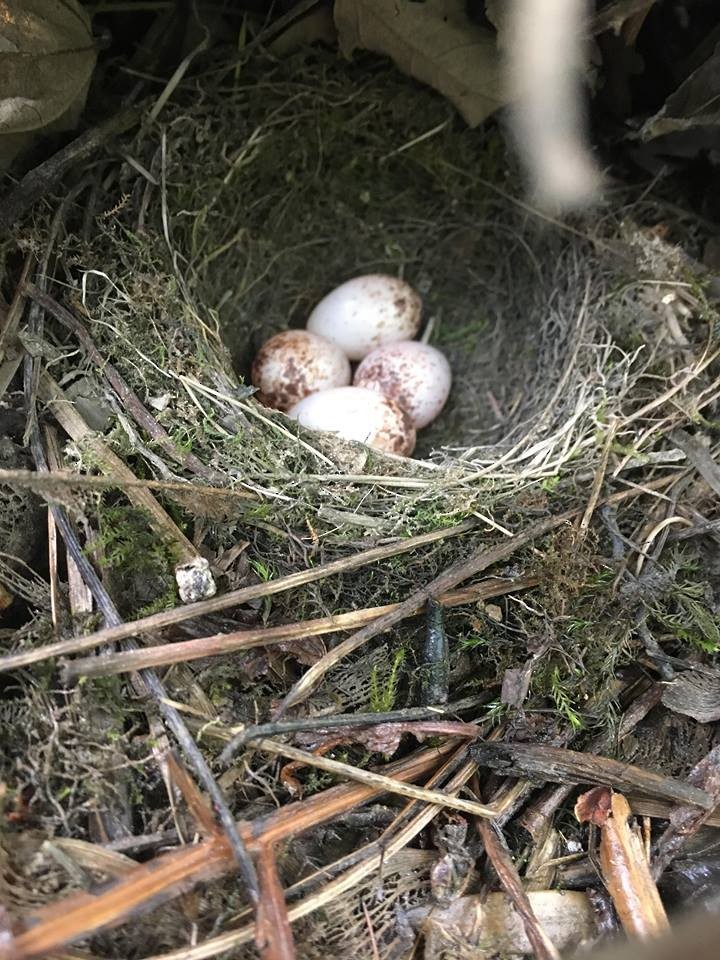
[(46, 484), (460, 571), (541, 762), (273, 936), (222, 643), (499, 855), (168, 875), (167, 618), (386, 784), (343, 721), (69, 418), (687, 820)]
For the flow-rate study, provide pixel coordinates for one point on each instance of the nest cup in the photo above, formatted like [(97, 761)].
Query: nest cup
[(255, 194), (272, 189)]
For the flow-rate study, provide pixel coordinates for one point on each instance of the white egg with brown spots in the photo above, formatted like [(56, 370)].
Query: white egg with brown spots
[(415, 375), (294, 364), (366, 312), (354, 413)]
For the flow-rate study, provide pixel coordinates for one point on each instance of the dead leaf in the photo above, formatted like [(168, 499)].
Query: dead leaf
[(694, 106), (47, 56), (480, 927), (434, 42)]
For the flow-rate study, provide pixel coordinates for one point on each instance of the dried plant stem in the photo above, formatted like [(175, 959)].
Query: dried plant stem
[(168, 875), (483, 558), (58, 480), (69, 418), (335, 888), (38, 182), (623, 863), (168, 618), (46, 484), (383, 783), (499, 855), (223, 643), (273, 937), (125, 394), (463, 570)]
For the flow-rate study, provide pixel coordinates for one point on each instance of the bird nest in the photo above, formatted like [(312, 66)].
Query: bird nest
[(577, 347)]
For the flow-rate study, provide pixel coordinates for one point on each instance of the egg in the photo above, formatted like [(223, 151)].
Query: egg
[(294, 364), (354, 413), (367, 312), (415, 375)]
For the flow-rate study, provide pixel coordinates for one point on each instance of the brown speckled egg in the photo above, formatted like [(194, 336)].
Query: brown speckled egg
[(294, 364), (415, 375), (357, 414), (366, 312)]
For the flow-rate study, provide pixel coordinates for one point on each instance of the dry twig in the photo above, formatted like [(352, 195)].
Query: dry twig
[(624, 866)]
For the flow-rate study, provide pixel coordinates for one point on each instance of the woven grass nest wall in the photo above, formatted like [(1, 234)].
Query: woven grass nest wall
[(577, 348)]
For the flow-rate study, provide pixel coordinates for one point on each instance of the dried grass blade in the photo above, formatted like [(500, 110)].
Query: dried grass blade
[(169, 618), (222, 643)]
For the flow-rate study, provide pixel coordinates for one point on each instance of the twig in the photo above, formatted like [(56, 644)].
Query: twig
[(196, 803), (168, 875), (476, 563), (273, 937), (69, 418), (46, 484), (598, 480), (8, 330), (342, 721), (167, 618), (386, 784), (125, 393), (37, 183), (499, 855), (462, 570), (235, 938), (536, 815), (147, 678), (624, 865), (687, 820), (555, 764), (222, 643)]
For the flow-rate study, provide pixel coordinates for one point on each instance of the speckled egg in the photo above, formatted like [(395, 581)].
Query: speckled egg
[(415, 375), (367, 312), (294, 364), (354, 413)]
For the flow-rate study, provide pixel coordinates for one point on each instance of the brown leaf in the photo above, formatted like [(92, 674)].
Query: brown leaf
[(434, 42), (47, 57), (480, 927)]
